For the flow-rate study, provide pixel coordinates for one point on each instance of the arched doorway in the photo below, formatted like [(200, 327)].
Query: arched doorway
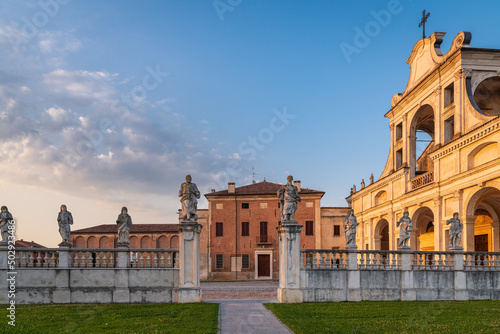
[(423, 230), (484, 208), (422, 139), (382, 235)]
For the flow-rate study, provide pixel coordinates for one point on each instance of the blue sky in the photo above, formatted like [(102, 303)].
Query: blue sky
[(112, 103)]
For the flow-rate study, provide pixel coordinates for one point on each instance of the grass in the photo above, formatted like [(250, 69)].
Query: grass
[(391, 317), (115, 318)]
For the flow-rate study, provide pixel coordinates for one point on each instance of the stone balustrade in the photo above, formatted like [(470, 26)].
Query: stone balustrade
[(97, 258)]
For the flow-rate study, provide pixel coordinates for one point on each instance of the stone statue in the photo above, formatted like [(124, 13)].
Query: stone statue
[(189, 193), (288, 195), (362, 183), (371, 178), (124, 224), (353, 188), (455, 232), (5, 218), (65, 219), (404, 230), (350, 225)]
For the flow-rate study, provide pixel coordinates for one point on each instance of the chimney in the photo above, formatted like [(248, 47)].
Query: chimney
[(212, 190), (230, 187), (297, 184)]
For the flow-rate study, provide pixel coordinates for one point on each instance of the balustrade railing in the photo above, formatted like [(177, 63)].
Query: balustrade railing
[(392, 260), (389, 260), (323, 259), (422, 180), (480, 261), (40, 258), (97, 258), (433, 260)]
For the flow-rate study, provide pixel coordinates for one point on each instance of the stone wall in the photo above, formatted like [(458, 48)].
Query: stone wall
[(92, 286)]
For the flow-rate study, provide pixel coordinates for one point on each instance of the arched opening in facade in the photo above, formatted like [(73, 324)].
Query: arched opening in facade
[(382, 235), (104, 242), (487, 96), (423, 230), (381, 197), (145, 242), (162, 242), (92, 242), (79, 242), (422, 141), (484, 207), (174, 242), (134, 242)]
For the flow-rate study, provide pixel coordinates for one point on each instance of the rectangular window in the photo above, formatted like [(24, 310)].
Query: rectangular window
[(449, 95), (399, 158), (219, 229), (245, 261), (449, 129), (245, 229), (399, 131), (245, 205), (263, 228), (336, 230), (309, 227), (219, 261)]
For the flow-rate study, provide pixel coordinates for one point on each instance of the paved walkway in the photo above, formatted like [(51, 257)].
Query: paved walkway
[(241, 309)]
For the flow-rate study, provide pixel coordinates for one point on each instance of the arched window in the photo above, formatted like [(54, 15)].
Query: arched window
[(145, 242), (92, 242), (162, 242), (104, 242), (79, 242), (174, 242)]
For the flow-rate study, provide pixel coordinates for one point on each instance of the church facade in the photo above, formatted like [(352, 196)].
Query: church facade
[(452, 104)]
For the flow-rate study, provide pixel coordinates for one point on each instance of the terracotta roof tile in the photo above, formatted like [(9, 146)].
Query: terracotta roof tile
[(260, 188), (27, 244), (136, 228)]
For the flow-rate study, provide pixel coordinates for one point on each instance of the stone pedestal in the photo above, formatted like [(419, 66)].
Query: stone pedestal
[(4, 252), (64, 258), (289, 262), (353, 275), (122, 256), (407, 286), (189, 262), (460, 278), (62, 293)]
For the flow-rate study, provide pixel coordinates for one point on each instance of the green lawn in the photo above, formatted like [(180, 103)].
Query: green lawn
[(115, 318), (391, 317)]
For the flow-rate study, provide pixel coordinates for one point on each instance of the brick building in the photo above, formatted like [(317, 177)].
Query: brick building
[(242, 225), (141, 236)]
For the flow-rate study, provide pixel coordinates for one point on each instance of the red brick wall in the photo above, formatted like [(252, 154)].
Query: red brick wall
[(232, 212)]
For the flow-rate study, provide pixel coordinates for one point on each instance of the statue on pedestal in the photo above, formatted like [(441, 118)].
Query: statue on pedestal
[(371, 178), (455, 232), (65, 219), (288, 195), (362, 183), (404, 230), (124, 222), (189, 194), (5, 218), (350, 225)]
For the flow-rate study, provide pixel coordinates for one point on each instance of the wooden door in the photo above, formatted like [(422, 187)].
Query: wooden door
[(481, 243), (264, 262)]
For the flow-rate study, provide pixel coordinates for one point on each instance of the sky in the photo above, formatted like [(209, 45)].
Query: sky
[(105, 104)]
